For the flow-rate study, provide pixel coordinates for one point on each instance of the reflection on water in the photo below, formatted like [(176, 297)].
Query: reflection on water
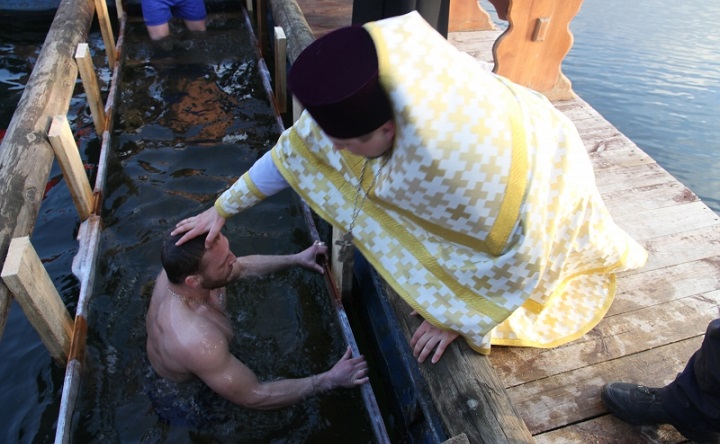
[(19, 48), (652, 68)]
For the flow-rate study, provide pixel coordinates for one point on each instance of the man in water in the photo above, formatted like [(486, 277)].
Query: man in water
[(157, 15), (472, 196), (189, 333)]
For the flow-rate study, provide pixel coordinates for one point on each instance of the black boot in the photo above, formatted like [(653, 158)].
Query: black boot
[(634, 403), (640, 405)]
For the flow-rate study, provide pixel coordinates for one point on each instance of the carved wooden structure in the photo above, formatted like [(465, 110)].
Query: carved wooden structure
[(532, 49)]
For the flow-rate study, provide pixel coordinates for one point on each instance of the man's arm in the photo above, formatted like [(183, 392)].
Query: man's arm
[(233, 380), (259, 265)]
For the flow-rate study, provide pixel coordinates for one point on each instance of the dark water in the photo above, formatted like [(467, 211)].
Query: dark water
[(651, 68), (190, 119)]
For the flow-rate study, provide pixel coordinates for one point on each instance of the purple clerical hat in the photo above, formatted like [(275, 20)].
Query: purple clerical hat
[(336, 80)]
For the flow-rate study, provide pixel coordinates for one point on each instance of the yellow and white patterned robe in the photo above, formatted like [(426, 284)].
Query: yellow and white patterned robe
[(486, 218)]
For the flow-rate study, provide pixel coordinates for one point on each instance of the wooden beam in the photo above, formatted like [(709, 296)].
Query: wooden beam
[(92, 89), (468, 394), (280, 69), (106, 31), (289, 16), (297, 109), (68, 157), (459, 439), (27, 279), (119, 8)]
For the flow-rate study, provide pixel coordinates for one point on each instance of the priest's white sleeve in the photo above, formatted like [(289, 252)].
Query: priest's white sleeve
[(262, 180)]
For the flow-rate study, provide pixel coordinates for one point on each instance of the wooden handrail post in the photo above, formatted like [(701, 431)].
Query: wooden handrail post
[(342, 271), (68, 157), (467, 15), (297, 109), (92, 89), (106, 31), (119, 8), (280, 69), (33, 289), (530, 52)]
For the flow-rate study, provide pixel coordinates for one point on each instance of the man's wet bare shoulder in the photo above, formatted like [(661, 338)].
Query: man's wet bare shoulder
[(179, 333)]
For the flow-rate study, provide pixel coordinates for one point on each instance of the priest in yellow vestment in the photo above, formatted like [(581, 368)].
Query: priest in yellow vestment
[(473, 197)]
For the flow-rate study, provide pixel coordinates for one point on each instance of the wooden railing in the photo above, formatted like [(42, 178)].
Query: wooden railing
[(531, 50), (26, 154), (39, 128), (38, 133)]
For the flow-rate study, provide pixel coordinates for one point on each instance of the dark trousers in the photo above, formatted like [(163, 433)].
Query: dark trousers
[(694, 397), (435, 12)]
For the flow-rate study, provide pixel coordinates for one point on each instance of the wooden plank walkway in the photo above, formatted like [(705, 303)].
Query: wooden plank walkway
[(660, 313)]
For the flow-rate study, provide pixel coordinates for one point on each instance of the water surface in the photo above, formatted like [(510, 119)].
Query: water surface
[(652, 68)]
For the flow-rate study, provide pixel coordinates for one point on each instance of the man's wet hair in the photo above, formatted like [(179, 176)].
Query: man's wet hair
[(182, 261)]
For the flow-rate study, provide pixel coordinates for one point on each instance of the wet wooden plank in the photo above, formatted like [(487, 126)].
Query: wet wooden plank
[(628, 177), (609, 430), (466, 391), (326, 15), (662, 191), (666, 221), (571, 397), (696, 245), (653, 287)]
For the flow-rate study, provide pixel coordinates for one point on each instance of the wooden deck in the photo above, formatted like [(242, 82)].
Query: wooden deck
[(656, 322)]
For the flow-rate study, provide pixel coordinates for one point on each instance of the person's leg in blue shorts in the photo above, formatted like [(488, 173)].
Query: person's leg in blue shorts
[(193, 13), (157, 15)]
